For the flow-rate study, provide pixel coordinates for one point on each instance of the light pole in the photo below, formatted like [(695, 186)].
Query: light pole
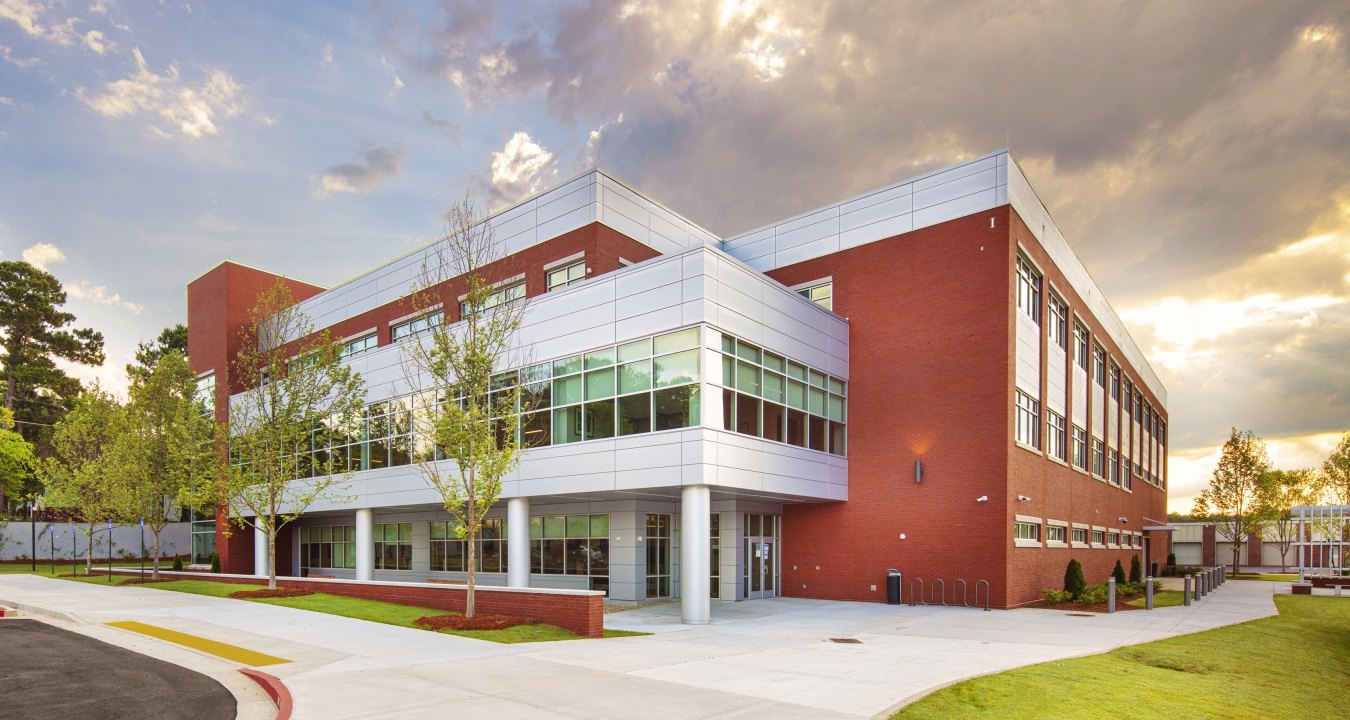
[(109, 550), (142, 550), (32, 528)]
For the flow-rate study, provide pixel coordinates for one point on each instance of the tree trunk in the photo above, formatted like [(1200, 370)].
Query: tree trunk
[(272, 555), (154, 534), (89, 553)]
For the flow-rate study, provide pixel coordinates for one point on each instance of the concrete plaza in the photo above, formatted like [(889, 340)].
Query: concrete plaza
[(763, 658)]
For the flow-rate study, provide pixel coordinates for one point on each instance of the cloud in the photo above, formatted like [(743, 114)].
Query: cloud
[(43, 255), (449, 128), (326, 53), (6, 100), (83, 290), (1190, 471), (98, 8), (97, 42), (24, 14), (193, 111), (389, 68), (521, 168), (7, 54), (379, 165)]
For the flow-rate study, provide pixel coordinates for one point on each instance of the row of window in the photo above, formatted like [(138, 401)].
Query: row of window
[(1027, 533), (1146, 437), (769, 396), (334, 546)]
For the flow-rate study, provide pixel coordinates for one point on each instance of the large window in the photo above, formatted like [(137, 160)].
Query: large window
[(328, 546), (1099, 365), (393, 546), (1058, 441), (1059, 322), (1080, 345), (449, 552), (571, 545), (1113, 466), (203, 538), (658, 555), (770, 396), (1115, 382), (1079, 448), (821, 294), (206, 394), (1028, 420), (1028, 291), (559, 278), (1098, 458), (417, 325)]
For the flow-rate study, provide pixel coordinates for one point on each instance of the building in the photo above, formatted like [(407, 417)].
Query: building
[(923, 377)]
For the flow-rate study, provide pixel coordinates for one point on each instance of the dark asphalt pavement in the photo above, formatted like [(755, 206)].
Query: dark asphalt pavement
[(47, 672)]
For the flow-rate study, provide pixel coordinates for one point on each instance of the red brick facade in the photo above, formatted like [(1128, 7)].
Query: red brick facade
[(931, 373)]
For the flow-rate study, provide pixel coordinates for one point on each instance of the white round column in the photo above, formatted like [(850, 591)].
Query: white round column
[(259, 551), (365, 544), (518, 542), (695, 554)]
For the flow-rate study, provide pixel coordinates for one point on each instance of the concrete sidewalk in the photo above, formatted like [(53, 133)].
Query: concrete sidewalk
[(763, 658)]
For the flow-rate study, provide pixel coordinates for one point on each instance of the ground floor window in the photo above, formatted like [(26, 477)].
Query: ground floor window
[(449, 552), (1054, 533), (1080, 535), (570, 545), (1027, 531), (203, 540), (393, 546), (715, 555), (1099, 537), (330, 546), (658, 555)]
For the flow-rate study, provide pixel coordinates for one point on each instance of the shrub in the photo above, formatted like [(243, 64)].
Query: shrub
[(1073, 579), (177, 564), (1092, 595), (1171, 559), (1118, 573), (215, 563), (1055, 597), (1136, 571)]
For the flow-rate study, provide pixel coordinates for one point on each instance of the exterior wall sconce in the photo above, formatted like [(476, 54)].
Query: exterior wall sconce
[(982, 498), (918, 472), (1023, 498)]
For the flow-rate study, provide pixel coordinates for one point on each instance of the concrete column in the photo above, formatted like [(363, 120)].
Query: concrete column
[(365, 544), (518, 542), (695, 554), (259, 551)]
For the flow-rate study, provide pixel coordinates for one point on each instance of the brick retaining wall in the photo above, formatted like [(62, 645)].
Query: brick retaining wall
[(581, 611)]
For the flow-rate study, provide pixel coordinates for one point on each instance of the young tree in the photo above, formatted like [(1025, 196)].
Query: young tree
[(297, 391), (34, 336), (1277, 494), (81, 474), (171, 339), (1231, 495), (165, 450), (18, 464), (1336, 472), (476, 426)]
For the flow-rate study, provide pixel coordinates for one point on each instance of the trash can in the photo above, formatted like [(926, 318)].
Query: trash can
[(892, 587)]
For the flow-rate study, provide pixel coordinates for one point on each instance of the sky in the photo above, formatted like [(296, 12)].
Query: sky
[(1196, 154)]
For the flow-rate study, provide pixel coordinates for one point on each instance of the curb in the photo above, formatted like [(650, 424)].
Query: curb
[(275, 689)]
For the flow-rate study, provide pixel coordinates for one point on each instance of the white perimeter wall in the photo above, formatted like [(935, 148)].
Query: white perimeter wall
[(16, 541)]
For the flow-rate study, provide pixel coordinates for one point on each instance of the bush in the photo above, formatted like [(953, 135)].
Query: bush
[(1055, 597), (215, 563), (177, 564), (1074, 581), (1118, 573), (1136, 571), (1092, 595), (1171, 559)]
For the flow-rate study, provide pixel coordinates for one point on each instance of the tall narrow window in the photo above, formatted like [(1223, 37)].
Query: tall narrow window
[(1057, 442), (1115, 382), (1099, 365), (1028, 420), (1080, 345), (1059, 322), (1080, 448), (658, 555), (1028, 291)]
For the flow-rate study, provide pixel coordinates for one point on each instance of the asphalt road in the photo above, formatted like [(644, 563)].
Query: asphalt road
[(47, 672)]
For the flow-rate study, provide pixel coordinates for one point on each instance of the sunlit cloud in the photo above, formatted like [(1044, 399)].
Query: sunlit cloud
[(193, 111), (521, 167), (84, 290), (43, 255)]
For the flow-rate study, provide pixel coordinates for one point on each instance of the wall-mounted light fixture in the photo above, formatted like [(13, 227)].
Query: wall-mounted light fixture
[(918, 472), (1124, 519), (1023, 498), (982, 498)]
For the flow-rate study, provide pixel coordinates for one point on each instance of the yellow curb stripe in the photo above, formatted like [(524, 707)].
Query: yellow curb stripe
[(235, 653)]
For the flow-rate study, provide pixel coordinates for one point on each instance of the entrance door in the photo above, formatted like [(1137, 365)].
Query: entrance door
[(762, 563)]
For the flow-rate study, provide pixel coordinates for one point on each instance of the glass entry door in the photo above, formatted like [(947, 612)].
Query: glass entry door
[(763, 567)]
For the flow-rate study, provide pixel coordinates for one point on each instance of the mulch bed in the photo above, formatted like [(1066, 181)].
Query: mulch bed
[(1072, 606), (264, 593), (139, 581), (480, 622)]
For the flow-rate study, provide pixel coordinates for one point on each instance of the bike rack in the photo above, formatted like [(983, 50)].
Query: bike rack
[(965, 600), (939, 589), (912, 595), (985, 583)]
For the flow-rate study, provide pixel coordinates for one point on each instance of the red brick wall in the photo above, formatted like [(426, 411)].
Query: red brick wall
[(582, 614), (927, 381), (932, 340), (1208, 549), (1253, 549)]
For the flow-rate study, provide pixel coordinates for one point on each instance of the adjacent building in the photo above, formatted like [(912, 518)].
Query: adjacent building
[(923, 378)]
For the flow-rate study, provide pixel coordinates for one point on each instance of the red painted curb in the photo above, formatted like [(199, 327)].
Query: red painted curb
[(275, 689)]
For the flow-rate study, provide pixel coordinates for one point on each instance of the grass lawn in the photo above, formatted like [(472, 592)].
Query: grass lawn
[(1161, 598), (373, 611), (1293, 665)]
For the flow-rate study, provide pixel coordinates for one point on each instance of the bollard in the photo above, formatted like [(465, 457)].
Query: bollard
[(1148, 593), (1111, 595), (1206, 578), (1195, 589), (1186, 590)]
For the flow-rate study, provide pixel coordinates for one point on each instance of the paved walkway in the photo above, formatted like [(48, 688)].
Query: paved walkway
[(763, 658)]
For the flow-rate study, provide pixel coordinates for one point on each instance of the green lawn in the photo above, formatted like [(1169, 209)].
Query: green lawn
[(1293, 665), (1161, 598), (373, 611)]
